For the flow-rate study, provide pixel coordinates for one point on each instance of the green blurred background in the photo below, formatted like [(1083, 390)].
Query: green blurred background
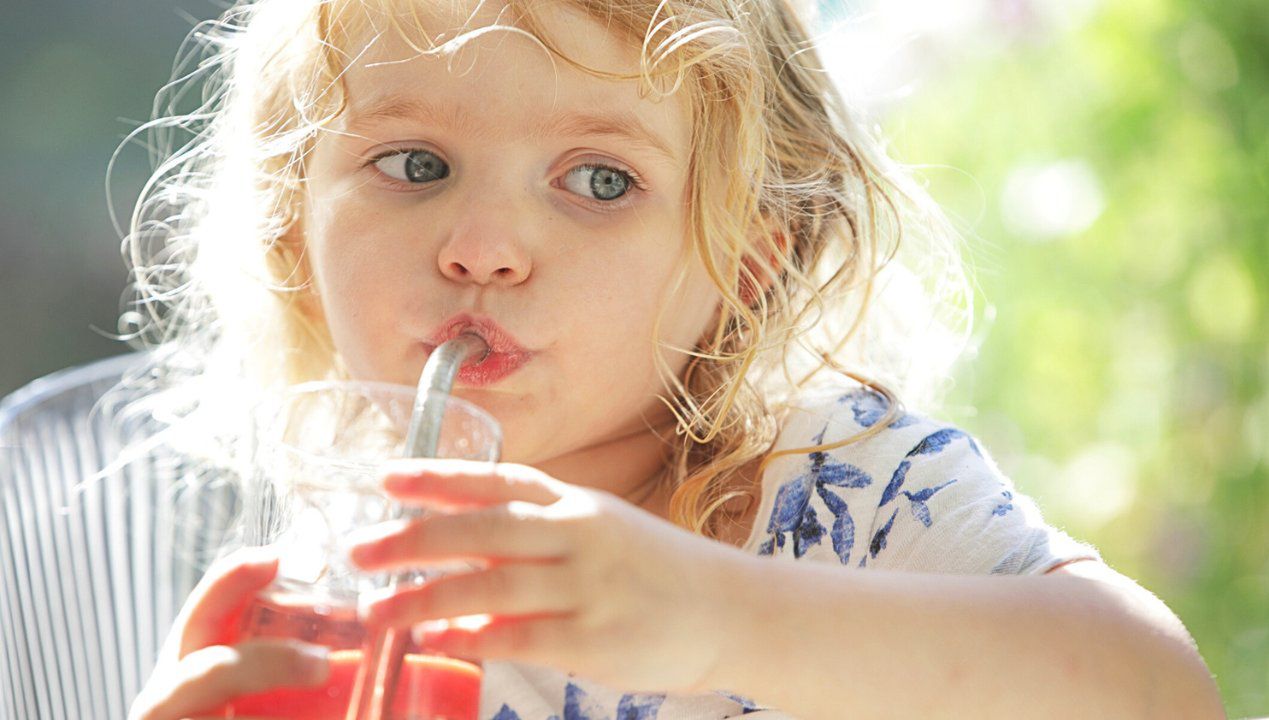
[(1107, 161)]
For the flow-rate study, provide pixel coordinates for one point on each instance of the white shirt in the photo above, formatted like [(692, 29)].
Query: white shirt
[(920, 496)]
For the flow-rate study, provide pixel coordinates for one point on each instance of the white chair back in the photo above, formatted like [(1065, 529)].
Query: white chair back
[(92, 571)]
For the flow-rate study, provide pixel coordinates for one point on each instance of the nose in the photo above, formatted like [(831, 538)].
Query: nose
[(484, 257)]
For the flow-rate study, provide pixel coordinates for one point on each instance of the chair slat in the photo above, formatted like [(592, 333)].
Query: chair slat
[(92, 572)]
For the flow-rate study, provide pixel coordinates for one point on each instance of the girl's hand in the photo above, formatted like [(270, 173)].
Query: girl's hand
[(577, 578), (198, 671)]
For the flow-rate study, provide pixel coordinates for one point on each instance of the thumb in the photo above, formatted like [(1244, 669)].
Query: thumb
[(214, 609)]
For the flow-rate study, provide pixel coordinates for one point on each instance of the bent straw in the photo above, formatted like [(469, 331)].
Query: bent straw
[(382, 663)]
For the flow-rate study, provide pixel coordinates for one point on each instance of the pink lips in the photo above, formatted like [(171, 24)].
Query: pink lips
[(505, 354)]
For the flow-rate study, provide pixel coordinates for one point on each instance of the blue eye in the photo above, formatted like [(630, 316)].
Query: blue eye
[(598, 181), (413, 166)]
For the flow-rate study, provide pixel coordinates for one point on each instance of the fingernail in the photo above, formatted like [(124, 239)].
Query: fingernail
[(314, 664), (358, 544), (264, 554), (398, 482), (257, 556), (397, 469), (377, 531)]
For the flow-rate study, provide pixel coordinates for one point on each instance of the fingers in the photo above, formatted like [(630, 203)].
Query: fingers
[(516, 530), (210, 677), (464, 483), (510, 589), (530, 639), (214, 609)]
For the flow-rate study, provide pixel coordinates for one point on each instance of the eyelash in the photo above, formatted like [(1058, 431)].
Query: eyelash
[(636, 180)]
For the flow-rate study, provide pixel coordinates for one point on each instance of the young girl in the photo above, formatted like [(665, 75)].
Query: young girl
[(680, 246)]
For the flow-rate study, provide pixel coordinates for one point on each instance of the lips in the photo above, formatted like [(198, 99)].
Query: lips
[(505, 354)]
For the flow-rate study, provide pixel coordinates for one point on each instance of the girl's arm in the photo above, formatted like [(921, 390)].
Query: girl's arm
[(581, 580), (821, 643)]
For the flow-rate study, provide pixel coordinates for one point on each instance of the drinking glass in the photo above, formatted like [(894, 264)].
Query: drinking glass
[(316, 456)]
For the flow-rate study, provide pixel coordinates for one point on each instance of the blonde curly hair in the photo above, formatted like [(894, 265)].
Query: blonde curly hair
[(797, 217)]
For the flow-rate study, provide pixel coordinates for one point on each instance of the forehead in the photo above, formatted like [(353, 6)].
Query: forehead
[(471, 66)]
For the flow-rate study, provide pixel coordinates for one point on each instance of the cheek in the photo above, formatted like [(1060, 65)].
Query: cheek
[(621, 314), (357, 256), (360, 291), (343, 278), (692, 310)]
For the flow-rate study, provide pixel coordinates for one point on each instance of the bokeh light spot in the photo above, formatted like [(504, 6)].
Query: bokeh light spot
[(1222, 298), (1045, 202)]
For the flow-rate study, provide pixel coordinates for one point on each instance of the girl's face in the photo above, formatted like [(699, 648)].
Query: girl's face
[(502, 185)]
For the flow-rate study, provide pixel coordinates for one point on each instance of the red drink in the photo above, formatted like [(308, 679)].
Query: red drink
[(430, 686)]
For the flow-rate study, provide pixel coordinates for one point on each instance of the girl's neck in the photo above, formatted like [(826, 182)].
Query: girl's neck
[(632, 466)]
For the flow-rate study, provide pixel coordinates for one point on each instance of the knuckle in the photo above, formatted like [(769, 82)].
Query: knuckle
[(598, 624), (481, 523), (501, 581), (530, 478), (423, 601), (263, 666), (297, 667), (420, 532), (535, 582), (566, 579), (218, 667), (519, 480), (517, 522), (518, 637), (578, 526)]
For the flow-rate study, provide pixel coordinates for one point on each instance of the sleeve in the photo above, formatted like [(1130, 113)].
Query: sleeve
[(947, 508)]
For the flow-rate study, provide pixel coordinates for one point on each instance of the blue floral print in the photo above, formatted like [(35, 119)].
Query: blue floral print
[(919, 509), (794, 515), (879, 539), (1004, 507), (506, 713), (896, 481), (639, 707), (931, 444), (746, 705), (935, 442), (632, 706), (868, 407)]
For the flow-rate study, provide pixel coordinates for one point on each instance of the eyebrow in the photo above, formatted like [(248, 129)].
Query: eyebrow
[(622, 125)]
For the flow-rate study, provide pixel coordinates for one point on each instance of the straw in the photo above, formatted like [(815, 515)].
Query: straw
[(382, 663)]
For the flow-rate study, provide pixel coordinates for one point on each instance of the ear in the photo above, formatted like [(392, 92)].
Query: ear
[(294, 252), (765, 271)]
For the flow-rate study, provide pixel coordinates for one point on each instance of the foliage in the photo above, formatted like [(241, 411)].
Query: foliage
[(1112, 177)]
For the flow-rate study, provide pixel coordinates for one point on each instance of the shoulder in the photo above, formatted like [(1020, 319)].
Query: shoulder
[(833, 468), (836, 478), (916, 494), (849, 417)]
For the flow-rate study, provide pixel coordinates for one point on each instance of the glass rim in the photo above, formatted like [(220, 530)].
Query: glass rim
[(368, 387)]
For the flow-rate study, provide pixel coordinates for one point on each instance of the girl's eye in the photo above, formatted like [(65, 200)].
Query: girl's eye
[(413, 166), (598, 181)]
